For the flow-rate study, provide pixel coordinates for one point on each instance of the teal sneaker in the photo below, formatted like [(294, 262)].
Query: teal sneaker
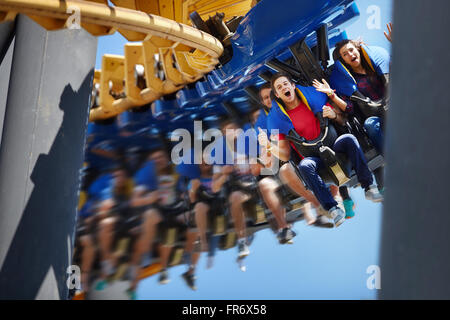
[(131, 294), (348, 206), (101, 285)]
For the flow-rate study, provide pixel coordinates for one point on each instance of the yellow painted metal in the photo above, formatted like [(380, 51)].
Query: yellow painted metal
[(120, 271), (230, 240), (260, 214), (154, 83), (230, 8), (178, 10), (135, 24), (166, 9), (82, 199), (185, 54), (170, 237), (339, 173), (177, 256), (112, 73), (98, 30), (149, 271), (219, 225), (133, 57)]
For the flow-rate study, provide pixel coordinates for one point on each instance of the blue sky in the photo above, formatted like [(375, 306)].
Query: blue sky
[(322, 263)]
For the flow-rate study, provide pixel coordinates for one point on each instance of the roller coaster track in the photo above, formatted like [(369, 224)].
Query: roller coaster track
[(172, 54)]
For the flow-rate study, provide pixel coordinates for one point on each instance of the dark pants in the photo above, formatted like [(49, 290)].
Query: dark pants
[(374, 130), (309, 168)]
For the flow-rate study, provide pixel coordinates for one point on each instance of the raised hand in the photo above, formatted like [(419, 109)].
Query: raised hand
[(323, 87), (388, 34)]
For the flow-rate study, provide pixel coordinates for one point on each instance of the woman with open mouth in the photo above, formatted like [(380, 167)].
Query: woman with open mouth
[(368, 69), (296, 109)]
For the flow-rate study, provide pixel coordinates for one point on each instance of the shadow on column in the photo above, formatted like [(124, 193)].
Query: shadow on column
[(43, 241)]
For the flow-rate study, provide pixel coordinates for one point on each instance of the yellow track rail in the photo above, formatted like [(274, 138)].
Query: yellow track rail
[(172, 54)]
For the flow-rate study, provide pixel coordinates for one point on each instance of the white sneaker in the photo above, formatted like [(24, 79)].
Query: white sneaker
[(338, 215), (243, 250), (339, 201), (373, 194)]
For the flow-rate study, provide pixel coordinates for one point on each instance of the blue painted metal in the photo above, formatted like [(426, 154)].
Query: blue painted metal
[(262, 34), (260, 37)]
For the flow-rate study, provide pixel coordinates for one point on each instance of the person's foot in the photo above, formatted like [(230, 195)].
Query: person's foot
[(373, 194), (340, 201), (101, 285), (349, 206), (338, 215), (286, 235), (164, 277), (243, 250), (131, 293), (190, 280), (324, 222), (209, 262)]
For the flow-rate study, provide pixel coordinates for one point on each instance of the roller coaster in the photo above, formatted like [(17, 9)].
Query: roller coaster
[(172, 74)]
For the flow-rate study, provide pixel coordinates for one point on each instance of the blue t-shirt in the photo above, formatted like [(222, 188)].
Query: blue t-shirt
[(87, 210), (147, 177), (100, 188)]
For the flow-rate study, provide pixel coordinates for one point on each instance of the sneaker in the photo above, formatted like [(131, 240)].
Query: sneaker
[(241, 265), (340, 201), (243, 249), (373, 194), (286, 235), (164, 277), (101, 285), (338, 215), (190, 280), (209, 262), (131, 294), (349, 206), (324, 222)]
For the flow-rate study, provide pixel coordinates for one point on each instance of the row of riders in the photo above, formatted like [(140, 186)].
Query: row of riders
[(141, 201)]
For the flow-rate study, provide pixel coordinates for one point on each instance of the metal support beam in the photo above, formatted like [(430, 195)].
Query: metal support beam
[(40, 158), (415, 248), (6, 52)]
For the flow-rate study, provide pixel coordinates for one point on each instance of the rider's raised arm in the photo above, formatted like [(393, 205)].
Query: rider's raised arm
[(194, 185)]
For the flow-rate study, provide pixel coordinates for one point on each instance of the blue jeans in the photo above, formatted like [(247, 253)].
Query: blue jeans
[(373, 128), (309, 168)]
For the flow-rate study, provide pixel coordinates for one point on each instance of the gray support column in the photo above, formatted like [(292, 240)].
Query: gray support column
[(415, 249), (40, 158), (6, 50), (6, 36), (5, 68)]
